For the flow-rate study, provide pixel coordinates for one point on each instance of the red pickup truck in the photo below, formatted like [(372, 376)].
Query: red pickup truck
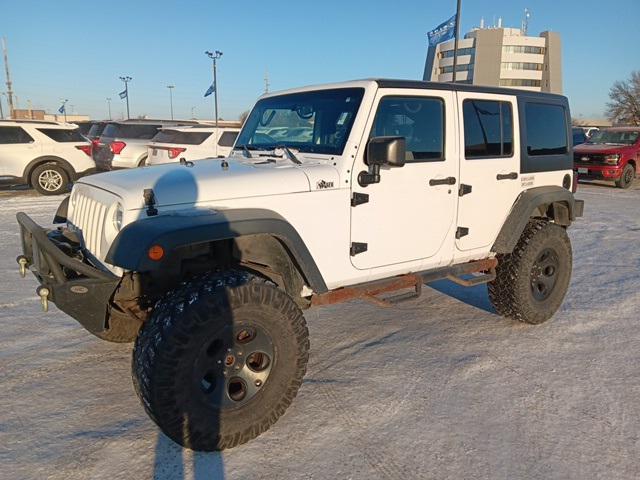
[(611, 154)]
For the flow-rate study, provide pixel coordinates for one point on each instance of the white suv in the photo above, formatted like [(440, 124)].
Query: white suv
[(46, 155), (190, 143)]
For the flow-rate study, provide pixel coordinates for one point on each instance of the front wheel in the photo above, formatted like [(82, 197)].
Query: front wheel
[(50, 179), (220, 360), (531, 282), (627, 177)]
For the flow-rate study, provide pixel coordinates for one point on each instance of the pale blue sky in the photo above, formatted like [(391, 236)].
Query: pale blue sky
[(77, 49)]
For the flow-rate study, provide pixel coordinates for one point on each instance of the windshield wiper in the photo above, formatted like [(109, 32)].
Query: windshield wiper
[(290, 155)]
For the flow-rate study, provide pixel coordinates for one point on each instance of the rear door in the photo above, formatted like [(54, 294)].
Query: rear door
[(17, 149), (410, 214), (489, 167)]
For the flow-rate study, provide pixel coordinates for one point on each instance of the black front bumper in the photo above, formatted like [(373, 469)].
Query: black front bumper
[(76, 287)]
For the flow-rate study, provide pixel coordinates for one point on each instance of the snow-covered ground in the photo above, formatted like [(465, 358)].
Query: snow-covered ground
[(437, 388)]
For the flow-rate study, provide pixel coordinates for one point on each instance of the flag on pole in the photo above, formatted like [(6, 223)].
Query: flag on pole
[(210, 90), (123, 94), (443, 32), (61, 109)]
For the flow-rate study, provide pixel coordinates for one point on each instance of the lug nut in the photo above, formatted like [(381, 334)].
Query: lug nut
[(258, 383)]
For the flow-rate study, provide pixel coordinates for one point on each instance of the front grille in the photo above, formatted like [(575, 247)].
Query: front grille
[(88, 217), (591, 159)]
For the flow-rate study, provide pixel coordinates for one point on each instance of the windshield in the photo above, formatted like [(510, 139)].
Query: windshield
[(313, 122), (625, 137)]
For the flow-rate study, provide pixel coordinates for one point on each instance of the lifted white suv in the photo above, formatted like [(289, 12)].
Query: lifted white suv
[(45, 155), (375, 186)]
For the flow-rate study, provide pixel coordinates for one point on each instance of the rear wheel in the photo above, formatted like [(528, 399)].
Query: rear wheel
[(50, 179), (220, 360), (531, 282), (627, 177)]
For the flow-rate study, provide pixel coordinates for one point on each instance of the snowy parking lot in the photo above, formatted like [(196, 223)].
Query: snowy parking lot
[(436, 388)]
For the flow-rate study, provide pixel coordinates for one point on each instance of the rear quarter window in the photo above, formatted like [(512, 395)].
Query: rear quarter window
[(227, 139), (63, 135), (180, 137), (13, 135)]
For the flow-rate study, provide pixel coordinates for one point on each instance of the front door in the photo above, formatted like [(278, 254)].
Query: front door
[(17, 149), (410, 213)]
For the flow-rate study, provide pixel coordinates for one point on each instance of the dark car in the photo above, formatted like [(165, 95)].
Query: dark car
[(579, 137), (611, 154)]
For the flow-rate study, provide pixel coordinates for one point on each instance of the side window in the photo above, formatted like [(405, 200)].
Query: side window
[(63, 134), (419, 120), (546, 129), (488, 129), (227, 139), (12, 135)]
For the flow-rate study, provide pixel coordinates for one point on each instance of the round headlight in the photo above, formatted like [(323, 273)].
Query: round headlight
[(117, 217)]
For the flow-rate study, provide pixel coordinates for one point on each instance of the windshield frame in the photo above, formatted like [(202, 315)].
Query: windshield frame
[(253, 124)]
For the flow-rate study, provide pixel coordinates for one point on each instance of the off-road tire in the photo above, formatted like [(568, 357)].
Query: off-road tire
[(627, 177), (512, 292), (179, 333), (54, 172), (120, 329)]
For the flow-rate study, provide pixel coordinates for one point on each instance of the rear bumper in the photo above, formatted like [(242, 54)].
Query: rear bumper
[(598, 172), (77, 288)]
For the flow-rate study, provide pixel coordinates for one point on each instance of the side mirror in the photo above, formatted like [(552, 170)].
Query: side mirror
[(386, 151)]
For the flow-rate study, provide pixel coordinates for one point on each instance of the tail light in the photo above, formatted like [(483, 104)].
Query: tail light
[(174, 152), (85, 148), (117, 147)]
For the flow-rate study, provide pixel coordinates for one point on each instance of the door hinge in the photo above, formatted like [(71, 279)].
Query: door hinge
[(357, 247), (462, 232), (464, 189), (359, 199)]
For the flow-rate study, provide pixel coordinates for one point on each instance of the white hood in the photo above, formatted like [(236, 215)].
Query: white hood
[(209, 180)]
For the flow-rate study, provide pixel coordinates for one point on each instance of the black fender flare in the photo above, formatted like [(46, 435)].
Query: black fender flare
[(171, 230), (554, 201), (71, 172)]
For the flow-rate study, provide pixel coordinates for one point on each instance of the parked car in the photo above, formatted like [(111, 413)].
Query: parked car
[(123, 144), (579, 136), (612, 154), (208, 265), (45, 155), (191, 143)]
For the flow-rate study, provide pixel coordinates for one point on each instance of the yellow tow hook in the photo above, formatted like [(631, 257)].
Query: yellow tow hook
[(43, 293), (22, 261)]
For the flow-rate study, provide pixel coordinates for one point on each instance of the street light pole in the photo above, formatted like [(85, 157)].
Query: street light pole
[(214, 56), (126, 80), (109, 106), (171, 87), (1, 112)]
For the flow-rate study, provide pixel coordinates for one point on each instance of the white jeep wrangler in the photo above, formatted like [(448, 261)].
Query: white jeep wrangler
[(345, 191)]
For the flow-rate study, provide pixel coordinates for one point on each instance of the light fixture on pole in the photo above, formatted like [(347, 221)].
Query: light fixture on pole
[(171, 87), (125, 92), (214, 56)]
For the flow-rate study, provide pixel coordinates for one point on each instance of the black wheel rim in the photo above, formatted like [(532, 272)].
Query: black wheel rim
[(628, 175), (234, 366), (544, 274)]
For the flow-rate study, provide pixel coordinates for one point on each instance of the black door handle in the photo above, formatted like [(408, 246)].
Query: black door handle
[(443, 181), (507, 176)]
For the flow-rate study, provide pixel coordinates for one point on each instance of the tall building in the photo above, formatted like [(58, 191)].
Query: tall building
[(502, 57)]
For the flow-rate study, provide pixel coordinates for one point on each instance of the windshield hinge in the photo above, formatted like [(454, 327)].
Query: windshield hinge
[(359, 198)]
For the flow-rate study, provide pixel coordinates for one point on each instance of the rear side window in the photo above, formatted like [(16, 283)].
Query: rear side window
[(546, 129), (63, 135), (182, 138), (96, 130), (227, 139), (419, 120), (11, 135), (488, 129), (133, 131)]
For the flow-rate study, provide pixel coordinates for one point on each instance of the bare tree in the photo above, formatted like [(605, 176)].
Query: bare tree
[(624, 104)]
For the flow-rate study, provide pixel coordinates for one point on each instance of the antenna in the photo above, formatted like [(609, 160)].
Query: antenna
[(6, 68), (525, 21), (266, 81)]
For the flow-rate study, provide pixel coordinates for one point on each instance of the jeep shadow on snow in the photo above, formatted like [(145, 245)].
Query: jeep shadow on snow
[(207, 265)]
